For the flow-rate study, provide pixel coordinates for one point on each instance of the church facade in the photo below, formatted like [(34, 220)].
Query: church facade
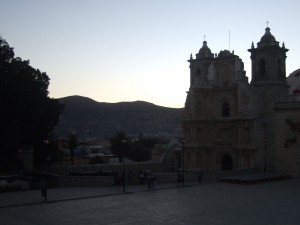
[(231, 124)]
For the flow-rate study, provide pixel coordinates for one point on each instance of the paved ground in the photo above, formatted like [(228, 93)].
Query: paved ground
[(208, 203)]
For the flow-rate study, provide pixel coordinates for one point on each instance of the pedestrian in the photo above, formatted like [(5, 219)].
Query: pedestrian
[(154, 181), (179, 180), (141, 176), (200, 178), (150, 180), (130, 177), (146, 175), (116, 178)]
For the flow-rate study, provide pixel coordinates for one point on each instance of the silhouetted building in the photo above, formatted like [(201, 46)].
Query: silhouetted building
[(230, 124)]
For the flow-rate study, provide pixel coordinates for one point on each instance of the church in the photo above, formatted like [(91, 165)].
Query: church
[(230, 123)]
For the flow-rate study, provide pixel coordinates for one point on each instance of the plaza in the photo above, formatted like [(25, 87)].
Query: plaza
[(276, 202)]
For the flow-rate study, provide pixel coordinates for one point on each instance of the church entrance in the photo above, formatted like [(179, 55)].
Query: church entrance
[(226, 162)]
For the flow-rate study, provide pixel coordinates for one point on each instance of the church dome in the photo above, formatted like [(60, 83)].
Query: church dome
[(293, 81), (204, 51), (296, 73), (267, 39)]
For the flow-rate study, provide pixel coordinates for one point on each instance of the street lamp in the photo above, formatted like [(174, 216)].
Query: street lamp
[(124, 165), (183, 142), (45, 187), (265, 140)]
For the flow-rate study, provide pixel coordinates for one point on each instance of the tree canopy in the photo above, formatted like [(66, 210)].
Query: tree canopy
[(27, 114), (137, 150), (119, 145)]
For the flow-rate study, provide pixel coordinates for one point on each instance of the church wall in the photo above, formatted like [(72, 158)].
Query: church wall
[(210, 135), (260, 132), (211, 139), (287, 137)]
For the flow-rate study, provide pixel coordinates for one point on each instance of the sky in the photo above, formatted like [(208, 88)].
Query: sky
[(129, 50)]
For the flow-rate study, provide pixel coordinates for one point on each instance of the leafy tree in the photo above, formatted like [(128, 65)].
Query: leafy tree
[(141, 149), (27, 114), (139, 152), (73, 143), (119, 145)]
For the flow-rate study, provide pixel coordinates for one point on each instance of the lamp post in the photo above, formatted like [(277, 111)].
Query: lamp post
[(183, 142), (45, 187), (265, 168), (124, 165)]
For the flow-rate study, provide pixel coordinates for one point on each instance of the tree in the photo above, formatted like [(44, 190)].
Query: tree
[(27, 114), (119, 145), (141, 149), (73, 143), (139, 152)]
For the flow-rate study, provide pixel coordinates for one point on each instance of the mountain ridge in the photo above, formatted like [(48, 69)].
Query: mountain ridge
[(91, 119), (92, 100)]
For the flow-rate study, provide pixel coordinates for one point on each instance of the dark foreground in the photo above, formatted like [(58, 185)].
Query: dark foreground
[(208, 203)]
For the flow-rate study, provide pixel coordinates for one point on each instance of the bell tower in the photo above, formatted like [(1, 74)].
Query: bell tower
[(199, 66), (269, 86), (268, 68)]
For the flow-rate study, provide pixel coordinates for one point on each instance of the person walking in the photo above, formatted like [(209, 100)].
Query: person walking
[(154, 181), (179, 180)]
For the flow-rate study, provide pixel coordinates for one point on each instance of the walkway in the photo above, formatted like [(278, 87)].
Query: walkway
[(273, 203)]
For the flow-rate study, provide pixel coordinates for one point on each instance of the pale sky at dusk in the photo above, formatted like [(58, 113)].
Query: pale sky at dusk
[(113, 51)]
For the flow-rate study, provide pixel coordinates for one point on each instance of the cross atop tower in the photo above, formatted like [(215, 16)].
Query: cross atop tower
[(204, 37), (267, 23)]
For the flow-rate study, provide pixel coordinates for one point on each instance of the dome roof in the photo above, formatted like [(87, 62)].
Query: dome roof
[(296, 73), (293, 81), (267, 39), (204, 51)]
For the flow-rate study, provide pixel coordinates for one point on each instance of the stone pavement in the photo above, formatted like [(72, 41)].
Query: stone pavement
[(208, 203), (32, 197)]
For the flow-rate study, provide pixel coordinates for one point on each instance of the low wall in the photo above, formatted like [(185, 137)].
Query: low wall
[(171, 177), (85, 181), (118, 167)]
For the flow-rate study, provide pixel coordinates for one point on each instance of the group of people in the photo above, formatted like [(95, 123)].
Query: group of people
[(152, 181), (144, 177), (147, 177)]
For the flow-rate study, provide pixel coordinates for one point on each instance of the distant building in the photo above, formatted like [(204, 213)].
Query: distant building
[(232, 124)]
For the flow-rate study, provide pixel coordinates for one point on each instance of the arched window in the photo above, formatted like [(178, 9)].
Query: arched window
[(262, 68), (226, 163), (226, 109)]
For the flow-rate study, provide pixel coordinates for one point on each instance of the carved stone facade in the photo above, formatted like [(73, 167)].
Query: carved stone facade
[(228, 122)]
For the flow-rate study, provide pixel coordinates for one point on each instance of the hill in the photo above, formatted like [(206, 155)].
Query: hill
[(92, 119)]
